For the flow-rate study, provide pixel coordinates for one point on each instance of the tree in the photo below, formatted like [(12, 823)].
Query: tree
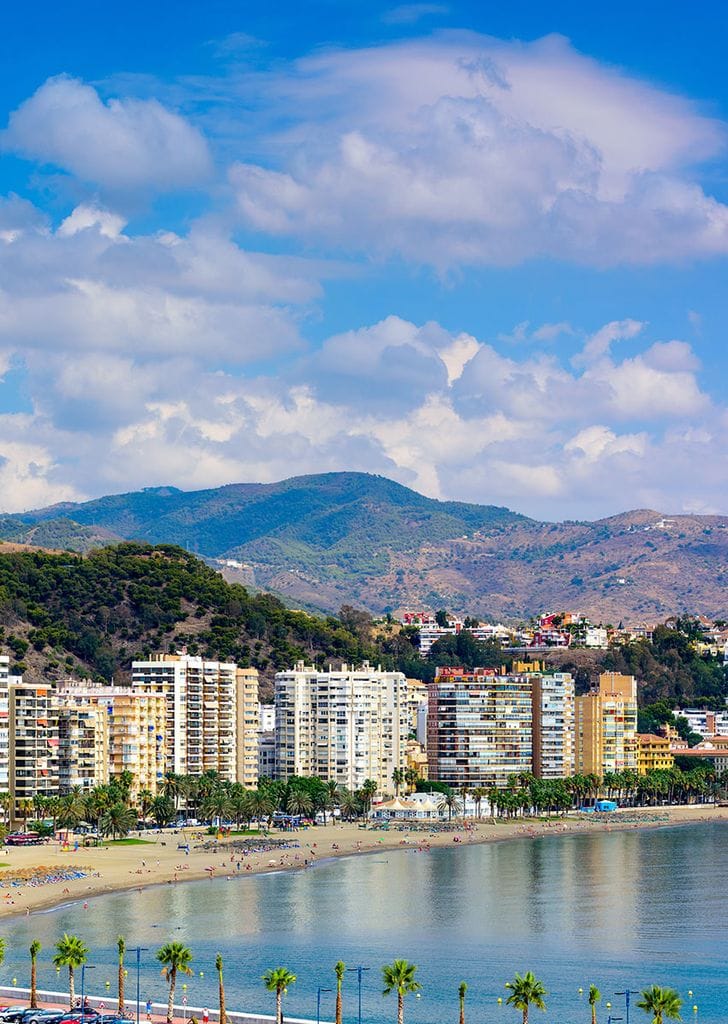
[(526, 990), (399, 977), (441, 618), (71, 952), (220, 988), (368, 791), (398, 776), (162, 810), (662, 1003), (339, 971), (3, 950), (594, 996), (451, 802), (278, 980), (462, 989), (117, 820), (121, 950), (35, 949), (176, 957)]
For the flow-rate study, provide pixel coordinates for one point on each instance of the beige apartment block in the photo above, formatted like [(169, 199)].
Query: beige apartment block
[(554, 753), (248, 726), (479, 727), (606, 726), (201, 730), (130, 725), (346, 725), (83, 743)]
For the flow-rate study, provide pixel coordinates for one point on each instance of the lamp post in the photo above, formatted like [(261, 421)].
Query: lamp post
[(84, 968), (627, 993), (318, 1002), (359, 971), (138, 950)]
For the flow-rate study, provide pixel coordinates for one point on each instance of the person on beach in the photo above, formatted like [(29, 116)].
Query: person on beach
[(149, 1010)]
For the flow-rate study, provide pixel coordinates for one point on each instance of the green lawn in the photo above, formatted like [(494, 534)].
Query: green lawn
[(128, 842)]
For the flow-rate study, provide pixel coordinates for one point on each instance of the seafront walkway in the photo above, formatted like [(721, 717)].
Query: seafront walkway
[(11, 996)]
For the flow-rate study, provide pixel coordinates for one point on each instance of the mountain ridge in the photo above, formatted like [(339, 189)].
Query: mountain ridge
[(354, 538)]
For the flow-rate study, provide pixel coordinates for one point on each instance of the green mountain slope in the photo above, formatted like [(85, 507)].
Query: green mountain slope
[(353, 538), (93, 614)]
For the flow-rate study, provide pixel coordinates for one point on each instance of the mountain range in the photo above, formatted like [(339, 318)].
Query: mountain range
[(325, 540)]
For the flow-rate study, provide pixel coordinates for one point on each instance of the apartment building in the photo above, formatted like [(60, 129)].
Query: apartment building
[(83, 743), (479, 727), (33, 740), (108, 730), (553, 705), (248, 726), (4, 723), (346, 725), (606, 726), (653, 753), (706, 723), (201, 729)]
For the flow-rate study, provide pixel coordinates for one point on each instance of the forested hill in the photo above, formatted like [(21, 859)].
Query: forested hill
[(91, 615), (353, 538), (65, 614)]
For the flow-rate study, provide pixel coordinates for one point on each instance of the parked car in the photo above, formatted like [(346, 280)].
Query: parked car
[(23, 839), (38, 1016), (12, 1014)]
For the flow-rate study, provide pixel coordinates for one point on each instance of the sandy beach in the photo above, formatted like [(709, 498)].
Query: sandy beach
[(159, 860)]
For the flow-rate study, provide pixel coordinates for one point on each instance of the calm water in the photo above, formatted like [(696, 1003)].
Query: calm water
[(621, 909)]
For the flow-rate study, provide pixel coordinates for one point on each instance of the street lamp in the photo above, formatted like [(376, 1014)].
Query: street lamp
[(84, 968), (627, 993), (359, 971), (318, 1002), (138, 950)]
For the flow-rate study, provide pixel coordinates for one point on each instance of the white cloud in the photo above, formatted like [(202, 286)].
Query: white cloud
[(463, 149), (121, 144)]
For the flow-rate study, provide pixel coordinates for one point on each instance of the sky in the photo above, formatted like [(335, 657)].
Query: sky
[(478, 248)]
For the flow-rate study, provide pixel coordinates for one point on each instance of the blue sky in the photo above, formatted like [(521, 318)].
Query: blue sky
[(478, 248)]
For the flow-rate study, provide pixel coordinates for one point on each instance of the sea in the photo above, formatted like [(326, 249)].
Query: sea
[(619, 909)]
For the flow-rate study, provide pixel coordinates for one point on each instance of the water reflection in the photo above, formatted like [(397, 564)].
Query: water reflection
[(617, 908)]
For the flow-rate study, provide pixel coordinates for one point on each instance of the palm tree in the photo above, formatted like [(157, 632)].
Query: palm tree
[(524, 991), (117, 820), (35, 948), (399, 977), (277, 980), (339, 971), (451, 802), (121, 949), (661, 1003), (71, 952), (176, 957), (220, 988), (462, 989), (594, 996)]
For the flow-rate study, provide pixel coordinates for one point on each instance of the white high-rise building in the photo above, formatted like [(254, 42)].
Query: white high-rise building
[(346, 725), (554, 744), (212, 714), (4, 723), (201, 725)]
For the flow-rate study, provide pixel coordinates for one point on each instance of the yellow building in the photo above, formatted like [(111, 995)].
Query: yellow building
[(606, 726), (248, 726), (416, 758), (127, 732), (653, 753)]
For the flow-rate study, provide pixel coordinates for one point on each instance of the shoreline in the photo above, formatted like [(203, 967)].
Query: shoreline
[(128, 868)]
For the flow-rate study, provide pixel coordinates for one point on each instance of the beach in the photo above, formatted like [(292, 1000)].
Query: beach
[(39, 877)]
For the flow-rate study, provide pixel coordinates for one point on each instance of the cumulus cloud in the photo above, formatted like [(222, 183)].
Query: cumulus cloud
[(121, 144), (627, 430), (462, 149)]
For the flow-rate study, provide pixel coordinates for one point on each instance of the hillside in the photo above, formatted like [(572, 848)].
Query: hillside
[(337, 538), (65, 613)]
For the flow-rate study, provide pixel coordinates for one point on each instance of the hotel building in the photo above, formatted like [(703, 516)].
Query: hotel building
[(606, 726), (479, 727), (346, 725), (553, 725)]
